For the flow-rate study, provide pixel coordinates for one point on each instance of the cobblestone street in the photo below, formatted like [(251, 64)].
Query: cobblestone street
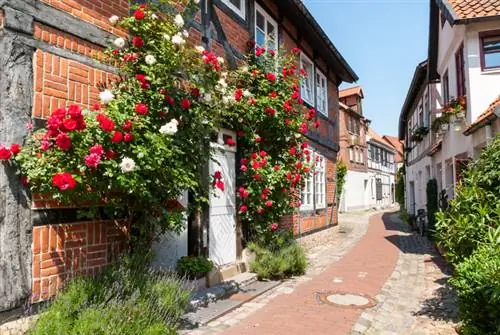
[(370, 254)]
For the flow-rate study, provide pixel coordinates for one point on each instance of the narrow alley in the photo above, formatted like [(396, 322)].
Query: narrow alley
[(397, 278)]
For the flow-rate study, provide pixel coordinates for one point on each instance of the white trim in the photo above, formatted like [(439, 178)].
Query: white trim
[(240, 11), (311, 79), (321, 91), (315, 181), (268, 19)]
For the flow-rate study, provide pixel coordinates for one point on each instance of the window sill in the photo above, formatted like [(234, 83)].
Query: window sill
[(492, 71)]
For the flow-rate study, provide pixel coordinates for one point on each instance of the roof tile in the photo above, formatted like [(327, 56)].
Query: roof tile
[(351, 91), (466, 9), (487, 113)]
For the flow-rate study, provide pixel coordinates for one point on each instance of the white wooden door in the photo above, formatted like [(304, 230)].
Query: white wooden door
[(222, 229)]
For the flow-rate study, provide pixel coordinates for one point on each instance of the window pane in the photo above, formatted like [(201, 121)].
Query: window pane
[(260, 38), (260, 21), (491, 44), (236, 3), (492, 60)]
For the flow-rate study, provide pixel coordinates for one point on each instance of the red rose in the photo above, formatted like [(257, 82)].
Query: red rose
[(295, 50), (266, 190), (185, 104), (130, 57), (298, 165), (259, 51), (304, 145), (140, 77), (111, 154), (70, 124), (238, 94), (243, 209), (293, 150), (254, 155), (128, 137), (258, 139), (257, 176), (117, 137), (277, 168), (306, 169), (272, 53), (63, 141), (139, 15), (271, 76), (244, 161), (97, 150), (15, 148), (263, 153), (170, 100), (5, 153), (96, 107), (137, 41), (127, 125), (64, 181), (230, 142), (263, 162), (220, 185), (24, 180), (255, 165), (74, 111), (288, 122), (217, 174), (269, 203), (295, 95), (270, 111), (263, 196), (141, 109), (273, 94), (274, 227), (316, 124), (303, 72), (106, 123), (260, 210)]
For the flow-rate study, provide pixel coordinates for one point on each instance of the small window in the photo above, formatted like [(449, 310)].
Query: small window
[(460, 68), (490, 50), (307, 86), (321, 93), (446, 87), (361, 156), (320, 181), (427, 115), (266, 30), (351, 154), (238, 6)]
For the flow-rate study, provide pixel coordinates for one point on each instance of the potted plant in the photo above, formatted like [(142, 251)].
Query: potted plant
[(419, 133), (194, 267)]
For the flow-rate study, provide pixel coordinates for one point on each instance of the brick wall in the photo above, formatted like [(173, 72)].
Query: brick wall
[(63, 251)]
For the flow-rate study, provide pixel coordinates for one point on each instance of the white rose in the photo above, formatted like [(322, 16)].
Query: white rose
[(154, 16), (106, 96), (199, 48), (207, 97), (185, 33), (127, 164), (196, 1), (179, 21), (150, 59), (119, 42), (114, 19), (221, 60), (177, 39), (169, 128), (222, 82), (244, 69), (246, 93), (166, 36)]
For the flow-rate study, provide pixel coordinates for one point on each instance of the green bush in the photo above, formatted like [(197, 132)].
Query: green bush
[(432, 203), (400, 187), (477, 281), (127, 298), (194, 266), (340, 179), (475, 208), (281, 263)]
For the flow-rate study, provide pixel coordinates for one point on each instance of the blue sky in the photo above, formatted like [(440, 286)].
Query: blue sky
[(383, 41)]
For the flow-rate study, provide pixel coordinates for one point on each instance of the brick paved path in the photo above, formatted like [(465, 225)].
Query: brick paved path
[(375, 256)]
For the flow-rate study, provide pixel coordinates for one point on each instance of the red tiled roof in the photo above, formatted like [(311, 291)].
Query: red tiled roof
[(468, 9), (351, 91), (396, 144), (488, 114), (377, 138)]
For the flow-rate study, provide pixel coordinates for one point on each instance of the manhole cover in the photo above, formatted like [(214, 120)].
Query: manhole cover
[(346, 299)]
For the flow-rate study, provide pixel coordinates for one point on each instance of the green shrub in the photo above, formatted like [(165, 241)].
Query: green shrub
[(475, 208), (280, 263), (400, 187), (477, 281), (127, 298), (194, 266), (432, 203), (340, 179)]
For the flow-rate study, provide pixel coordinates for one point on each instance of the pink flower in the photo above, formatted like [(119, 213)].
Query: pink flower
[(69, 124), (217, 174), (220, 185), (97, 150), (276, 168), (260, 210), (316, 124), (263, 153), (63, 141), (128, 137), (270, 111), (230, 142), (244, 161), (92, 160), (257, 177), (243, 209), (296, 50), (44, 145), (269, 203), (243, 168), (274, 227)]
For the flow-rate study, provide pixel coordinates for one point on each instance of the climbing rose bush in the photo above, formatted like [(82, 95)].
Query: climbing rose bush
[(271, 123), (146, 142)]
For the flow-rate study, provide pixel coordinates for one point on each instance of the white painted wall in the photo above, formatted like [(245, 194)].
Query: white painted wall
[(355, 191), (419, 174)]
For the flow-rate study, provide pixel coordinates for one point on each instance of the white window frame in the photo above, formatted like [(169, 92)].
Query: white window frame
[(309, 82), (361, 156), (268, 19), (351, 154), (321, 93), (315, 185), (240, 11)]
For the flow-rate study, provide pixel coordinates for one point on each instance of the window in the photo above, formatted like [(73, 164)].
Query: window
[(349, 123), (313, 194), (459, 64), (427, 115), (321, 93), (446, 88), (266, 30), (361, 156), (319, 181), (490, 50), (238, 6), (351, 154), (307, 87), (420, 116), (356, 155)]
